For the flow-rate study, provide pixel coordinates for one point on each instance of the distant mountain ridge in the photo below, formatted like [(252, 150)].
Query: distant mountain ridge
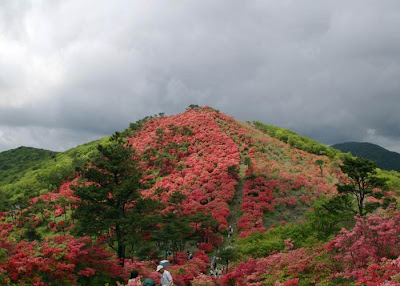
[(385, 159), (16, 162)]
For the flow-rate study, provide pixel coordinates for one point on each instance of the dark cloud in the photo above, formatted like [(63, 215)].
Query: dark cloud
[(73, 71)]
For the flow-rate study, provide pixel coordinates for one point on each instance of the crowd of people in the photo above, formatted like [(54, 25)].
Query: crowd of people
[(214, 270)]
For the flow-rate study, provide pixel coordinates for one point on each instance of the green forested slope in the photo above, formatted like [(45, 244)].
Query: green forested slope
[(16, 162), (30, 175), (384, 158)]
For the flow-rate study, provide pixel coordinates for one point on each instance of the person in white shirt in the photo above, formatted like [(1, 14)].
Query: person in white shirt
[(166, 278)]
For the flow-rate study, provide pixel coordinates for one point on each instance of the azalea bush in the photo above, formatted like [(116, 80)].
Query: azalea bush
[(370, 251), (60, 260)]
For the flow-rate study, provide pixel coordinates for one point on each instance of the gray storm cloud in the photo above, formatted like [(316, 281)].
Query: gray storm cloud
[(73, 71)]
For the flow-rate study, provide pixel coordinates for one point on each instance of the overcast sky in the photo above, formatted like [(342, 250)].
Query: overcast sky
[(73, 71)]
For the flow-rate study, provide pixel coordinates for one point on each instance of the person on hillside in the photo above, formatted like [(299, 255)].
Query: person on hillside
[(135, 279), (189, 255), (166, 278), (216, 273), (149, 282), (211, 272)]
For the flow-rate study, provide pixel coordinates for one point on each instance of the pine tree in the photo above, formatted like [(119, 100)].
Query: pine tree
[(362, 176), (109, 191)]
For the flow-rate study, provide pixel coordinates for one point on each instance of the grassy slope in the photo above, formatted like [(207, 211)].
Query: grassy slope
[(296, 140), (53, 170), (16, 162)]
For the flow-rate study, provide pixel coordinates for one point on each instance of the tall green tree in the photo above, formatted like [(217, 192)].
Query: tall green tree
[(330, 215), (362, 180), (203, 224), (109, 190), (228, 254), (173, 233)]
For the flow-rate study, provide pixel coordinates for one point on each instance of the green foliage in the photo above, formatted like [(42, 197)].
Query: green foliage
[(233, 170), (393, 179), (330, 215), (4, 200), (296, 140), (15, 163), (320, 164), (31, 234), (384, 159), (108, 187), (137, 125), (203, 223), (193, 106), (260, 244), (363, 180), (228, 254), (174, 233), (51, 173)]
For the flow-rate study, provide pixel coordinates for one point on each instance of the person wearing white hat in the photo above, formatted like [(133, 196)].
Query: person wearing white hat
[(166, 278)]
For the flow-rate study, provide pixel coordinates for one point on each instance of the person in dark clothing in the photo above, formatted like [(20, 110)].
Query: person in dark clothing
[(149, 282)]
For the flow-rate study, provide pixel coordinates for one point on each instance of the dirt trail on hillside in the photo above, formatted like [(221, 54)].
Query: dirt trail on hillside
[(234, 216), (235, 213), (237, 201)]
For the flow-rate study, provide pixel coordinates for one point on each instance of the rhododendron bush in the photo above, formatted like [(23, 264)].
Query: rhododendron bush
[(368, 255), (203, 280), (257, 198), (56, 261), (275, 269), (369, 252), (52, 209)]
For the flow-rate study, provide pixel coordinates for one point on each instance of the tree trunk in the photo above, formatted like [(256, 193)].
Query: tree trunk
[(121, 245)]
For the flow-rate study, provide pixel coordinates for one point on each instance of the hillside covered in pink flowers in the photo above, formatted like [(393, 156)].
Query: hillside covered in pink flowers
[(207, 192)]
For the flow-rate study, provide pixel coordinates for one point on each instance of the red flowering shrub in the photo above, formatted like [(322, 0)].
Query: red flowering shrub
[(202, 256), (61, 259), (206, 247), (257, 198), (203, 280), (180, 258), (184, 274), (366, 252), (274, 269)]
